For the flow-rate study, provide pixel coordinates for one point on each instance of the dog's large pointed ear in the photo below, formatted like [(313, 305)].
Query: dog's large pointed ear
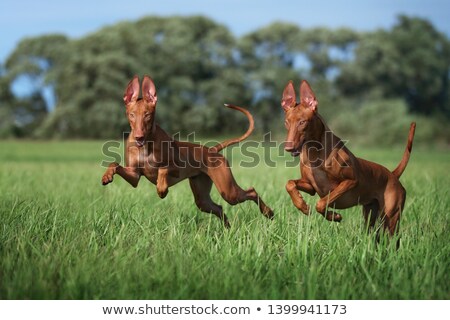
[(149, 90), (132, 91), (289, 100), (307, 97)]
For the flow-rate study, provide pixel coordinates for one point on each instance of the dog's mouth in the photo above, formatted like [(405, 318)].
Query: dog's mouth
[(297, 151), (140, 143)]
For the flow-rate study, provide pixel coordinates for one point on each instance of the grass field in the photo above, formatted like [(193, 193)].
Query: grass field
[(64, 236)]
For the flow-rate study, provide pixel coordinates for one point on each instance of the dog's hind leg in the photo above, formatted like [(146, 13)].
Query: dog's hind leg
[(251, 194), (201, 188), (230, 191), (394, 199), (371, 212), (394, 203)]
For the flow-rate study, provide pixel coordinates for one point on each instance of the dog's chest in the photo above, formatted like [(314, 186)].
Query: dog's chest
[(150, 167), (320, 180), (151, 160)]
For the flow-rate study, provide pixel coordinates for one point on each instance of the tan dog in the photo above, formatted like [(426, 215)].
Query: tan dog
[(329, 169), (164, 161)]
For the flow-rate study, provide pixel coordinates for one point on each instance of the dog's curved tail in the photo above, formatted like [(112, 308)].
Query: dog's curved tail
[(251, 126), (402, 165)]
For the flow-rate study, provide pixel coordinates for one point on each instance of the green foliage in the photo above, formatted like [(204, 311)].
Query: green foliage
[(268, 56), (64, 236), (412, 61), (7, 102), (198, 65), (38, 60), (388, 125)]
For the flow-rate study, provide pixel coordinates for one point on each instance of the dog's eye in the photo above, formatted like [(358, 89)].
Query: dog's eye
[(132, 115), (147, 115), (301, 122)]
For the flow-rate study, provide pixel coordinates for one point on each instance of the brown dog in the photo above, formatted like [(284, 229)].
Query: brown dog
[(164, 161), (329, 169)]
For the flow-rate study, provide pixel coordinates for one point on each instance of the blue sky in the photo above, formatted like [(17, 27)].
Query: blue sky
[(28, 18)]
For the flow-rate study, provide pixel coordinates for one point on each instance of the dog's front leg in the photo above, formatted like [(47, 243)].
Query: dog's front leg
[(328, 201), (162, 187), (292, 188), (130, 174)]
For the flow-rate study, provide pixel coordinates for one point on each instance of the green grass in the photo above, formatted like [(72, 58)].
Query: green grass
[(64, 236)]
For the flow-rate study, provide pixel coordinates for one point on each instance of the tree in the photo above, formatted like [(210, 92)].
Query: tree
[(327, 49), (412, 61), (33, 62), (198, 65), (268, 57), (189, 59), (7, 102)]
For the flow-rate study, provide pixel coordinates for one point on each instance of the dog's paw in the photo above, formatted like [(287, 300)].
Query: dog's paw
[(268, 213), (162, 193), (336, 217), (107, 178)]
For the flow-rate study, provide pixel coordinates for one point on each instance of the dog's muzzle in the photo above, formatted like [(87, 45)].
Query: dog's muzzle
[(140, 142), (289, 147)]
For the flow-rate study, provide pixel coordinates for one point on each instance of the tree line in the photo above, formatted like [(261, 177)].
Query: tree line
[(75, 86)]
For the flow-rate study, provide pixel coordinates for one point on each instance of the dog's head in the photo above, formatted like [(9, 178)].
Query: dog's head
[(298, 116), (140, 112)]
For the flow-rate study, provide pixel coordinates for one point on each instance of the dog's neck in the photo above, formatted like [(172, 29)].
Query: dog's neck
[(320, 140), (316, 129)]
